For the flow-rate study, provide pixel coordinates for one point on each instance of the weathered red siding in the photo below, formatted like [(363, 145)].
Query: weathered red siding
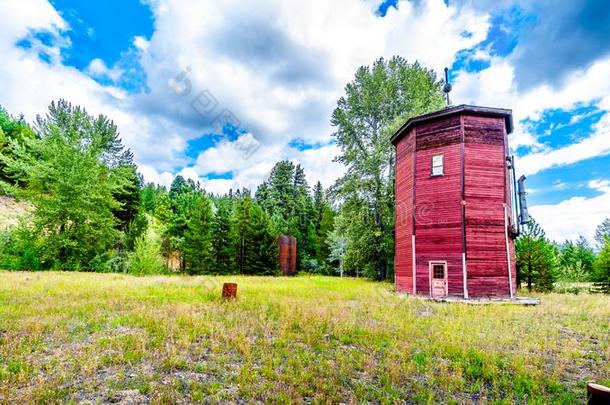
[(438, 227), (485, 189), (404, 214), (465, 211)]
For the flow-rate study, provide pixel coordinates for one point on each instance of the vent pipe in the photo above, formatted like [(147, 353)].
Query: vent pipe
[(514, 197), (524, 216)]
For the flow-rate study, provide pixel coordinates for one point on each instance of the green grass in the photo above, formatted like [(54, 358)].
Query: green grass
[(72, 337)]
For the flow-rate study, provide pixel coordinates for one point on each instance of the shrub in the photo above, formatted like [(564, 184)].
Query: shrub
[(20, 249), (601, 275), (111, 262), (146, 257), (571, 289)]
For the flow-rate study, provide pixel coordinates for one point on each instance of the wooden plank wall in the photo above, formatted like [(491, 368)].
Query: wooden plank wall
[(438, 210), (431, 207), (511, 241), (486, 194), (403, 256)]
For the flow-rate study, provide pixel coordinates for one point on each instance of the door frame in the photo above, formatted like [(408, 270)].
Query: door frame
[(431, 263)]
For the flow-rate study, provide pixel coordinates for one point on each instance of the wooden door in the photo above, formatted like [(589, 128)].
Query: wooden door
[(438, 276)]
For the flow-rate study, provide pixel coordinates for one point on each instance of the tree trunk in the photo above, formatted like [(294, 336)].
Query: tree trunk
[(384, 269)]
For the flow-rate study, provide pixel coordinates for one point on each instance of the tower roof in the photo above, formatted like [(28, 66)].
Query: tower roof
[(451, 111)]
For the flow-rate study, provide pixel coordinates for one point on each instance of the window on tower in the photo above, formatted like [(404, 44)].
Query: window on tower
[(438, 270), (437, 165)]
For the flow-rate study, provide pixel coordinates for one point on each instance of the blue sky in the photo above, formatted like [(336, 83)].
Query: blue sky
[(219, 92)]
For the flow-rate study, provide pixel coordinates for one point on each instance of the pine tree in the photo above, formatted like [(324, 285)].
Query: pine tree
[(183, 201), (319, 200), (241, 232), (576, 260), (149, 195), (253, 238), (286, 198), (198, 243), (178, 186), (163, 206), (282, 190), (224, 249), (303, 211), (263, 198), (584, 256), (263, 258), (601, 273), (536, 259), (128, 195)]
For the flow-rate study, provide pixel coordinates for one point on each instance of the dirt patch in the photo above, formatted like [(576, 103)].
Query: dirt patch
[(11, 210)]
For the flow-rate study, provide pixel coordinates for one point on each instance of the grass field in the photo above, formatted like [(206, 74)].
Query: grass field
[(78, 337)]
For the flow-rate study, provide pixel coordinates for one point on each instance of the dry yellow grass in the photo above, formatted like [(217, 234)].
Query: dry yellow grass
[(104, 337)]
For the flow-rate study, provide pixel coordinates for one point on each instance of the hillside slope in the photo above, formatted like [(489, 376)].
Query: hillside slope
[(11, 210)]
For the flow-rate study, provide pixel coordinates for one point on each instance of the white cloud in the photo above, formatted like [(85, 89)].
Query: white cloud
[(575, 216), (279, 67), (496, 86), (151, 174), (276, 98), (141, 43), (18, 16), (318, 164), (600, 185), (598, 144), (98, 69)]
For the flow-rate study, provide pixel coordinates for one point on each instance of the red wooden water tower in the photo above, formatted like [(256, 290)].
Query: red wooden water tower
[(455, 204)]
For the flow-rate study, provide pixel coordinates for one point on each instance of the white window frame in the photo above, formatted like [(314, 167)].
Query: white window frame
[(442, 165)]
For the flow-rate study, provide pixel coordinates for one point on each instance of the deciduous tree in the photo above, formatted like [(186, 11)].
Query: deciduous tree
[(601, 232), (71, 178), (379, 98)]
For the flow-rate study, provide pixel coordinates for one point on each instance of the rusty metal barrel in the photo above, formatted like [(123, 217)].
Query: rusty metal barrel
[(287, 254), (597, 394), (229, 291)]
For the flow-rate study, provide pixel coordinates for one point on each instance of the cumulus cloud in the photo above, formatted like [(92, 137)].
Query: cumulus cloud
[(28, 85), (598, 144), (97, 68), (277, 68), (274, 68), (19, 18), (496, 86), (560, 37), (566, 37), (575, 216)]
